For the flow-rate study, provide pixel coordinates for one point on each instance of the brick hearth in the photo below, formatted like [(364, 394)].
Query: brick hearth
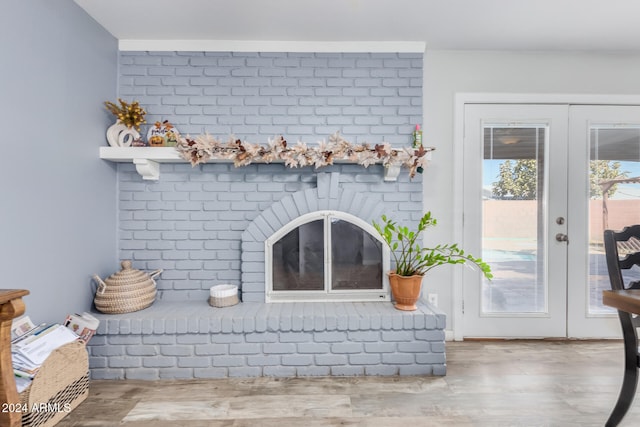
[(194, 340)]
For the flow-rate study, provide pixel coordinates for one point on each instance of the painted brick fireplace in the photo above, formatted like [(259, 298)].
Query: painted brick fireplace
[(199, 226), (206, 225)]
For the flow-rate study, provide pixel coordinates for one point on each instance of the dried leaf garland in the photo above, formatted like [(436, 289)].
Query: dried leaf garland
[(203, 148)]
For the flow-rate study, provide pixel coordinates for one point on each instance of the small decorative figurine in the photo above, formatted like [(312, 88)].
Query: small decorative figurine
[(162, 135)]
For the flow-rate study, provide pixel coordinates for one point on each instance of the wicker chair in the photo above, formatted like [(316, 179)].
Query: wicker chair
[(616, 245)]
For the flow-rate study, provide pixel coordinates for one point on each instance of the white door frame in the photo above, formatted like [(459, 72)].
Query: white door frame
[(460, 100)]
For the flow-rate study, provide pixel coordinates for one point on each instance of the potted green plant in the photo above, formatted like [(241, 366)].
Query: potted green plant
[(412, 261)]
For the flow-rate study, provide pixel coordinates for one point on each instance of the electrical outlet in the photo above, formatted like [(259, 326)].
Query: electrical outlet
[(433, 299)]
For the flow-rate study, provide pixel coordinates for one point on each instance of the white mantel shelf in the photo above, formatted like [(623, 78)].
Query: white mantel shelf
[(127, 154), (148, 159)]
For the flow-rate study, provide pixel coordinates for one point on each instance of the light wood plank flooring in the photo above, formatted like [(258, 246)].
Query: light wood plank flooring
[(488, 383)]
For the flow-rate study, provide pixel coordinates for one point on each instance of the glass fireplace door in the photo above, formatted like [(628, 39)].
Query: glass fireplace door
[(326, 255), (298, 259)]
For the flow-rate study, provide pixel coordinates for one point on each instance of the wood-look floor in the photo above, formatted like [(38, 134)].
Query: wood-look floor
[(501, 383)]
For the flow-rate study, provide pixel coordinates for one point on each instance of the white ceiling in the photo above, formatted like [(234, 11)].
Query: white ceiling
[(610, 25)]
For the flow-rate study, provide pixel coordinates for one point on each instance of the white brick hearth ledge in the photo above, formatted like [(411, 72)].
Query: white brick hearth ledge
[(191, 339)]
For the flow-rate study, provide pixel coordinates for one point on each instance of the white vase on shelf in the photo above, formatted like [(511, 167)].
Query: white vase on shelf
[(119, 135)]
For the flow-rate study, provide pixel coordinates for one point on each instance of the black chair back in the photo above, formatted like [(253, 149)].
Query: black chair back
[(627, 244), (622, 250)]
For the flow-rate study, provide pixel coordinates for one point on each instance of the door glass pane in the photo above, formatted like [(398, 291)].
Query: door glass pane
[(513, 223), (356, 257), (614, 192), (298, 259)]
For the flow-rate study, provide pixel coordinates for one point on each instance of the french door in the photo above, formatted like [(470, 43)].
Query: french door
[(541, 182), (604, 194)]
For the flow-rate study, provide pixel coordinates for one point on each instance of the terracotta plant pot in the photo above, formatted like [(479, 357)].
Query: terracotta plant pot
[(405, 290)]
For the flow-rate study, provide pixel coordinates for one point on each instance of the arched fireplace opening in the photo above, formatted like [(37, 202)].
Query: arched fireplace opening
[(326, 256)]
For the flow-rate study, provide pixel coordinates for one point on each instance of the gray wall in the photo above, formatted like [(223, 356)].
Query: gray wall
[(57, 218)]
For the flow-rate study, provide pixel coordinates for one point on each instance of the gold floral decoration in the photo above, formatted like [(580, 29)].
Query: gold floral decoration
[(202, 148), (130, 115)]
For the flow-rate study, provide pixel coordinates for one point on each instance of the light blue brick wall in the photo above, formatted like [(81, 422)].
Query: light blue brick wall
[(190, 223), (368, 97), (206, 225)]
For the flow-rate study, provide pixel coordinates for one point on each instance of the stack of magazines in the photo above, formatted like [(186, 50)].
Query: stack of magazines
[(31, 345)]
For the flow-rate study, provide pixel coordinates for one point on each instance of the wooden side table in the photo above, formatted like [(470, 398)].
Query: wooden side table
[(11, 306)]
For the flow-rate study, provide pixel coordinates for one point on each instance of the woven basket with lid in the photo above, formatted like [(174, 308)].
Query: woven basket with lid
[(125, 291)]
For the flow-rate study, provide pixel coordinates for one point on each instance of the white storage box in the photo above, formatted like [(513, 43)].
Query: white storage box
[(223, 295)]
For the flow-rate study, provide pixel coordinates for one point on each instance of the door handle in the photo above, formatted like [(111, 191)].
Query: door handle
[(560, 237)]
